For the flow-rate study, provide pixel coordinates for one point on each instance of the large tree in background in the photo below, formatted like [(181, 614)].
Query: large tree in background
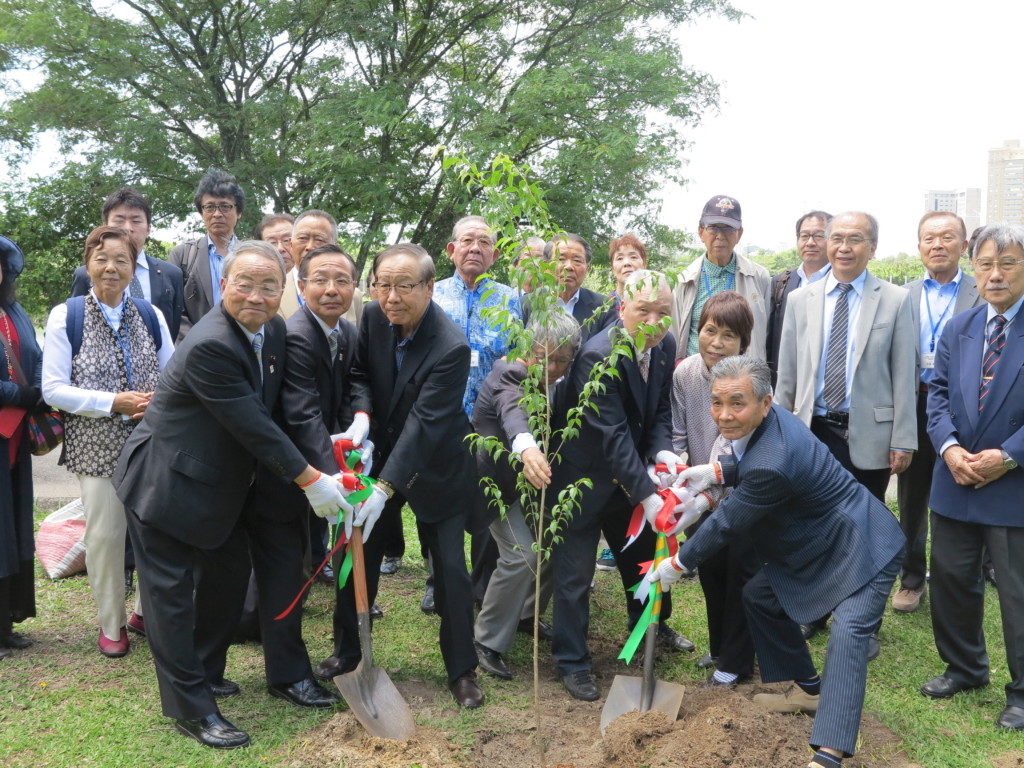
[(346, 105)]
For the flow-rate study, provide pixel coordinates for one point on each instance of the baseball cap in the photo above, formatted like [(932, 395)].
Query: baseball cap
[(722, 209)]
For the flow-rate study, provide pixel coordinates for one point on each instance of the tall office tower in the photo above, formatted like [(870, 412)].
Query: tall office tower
[(1006, 184), (965, 203)]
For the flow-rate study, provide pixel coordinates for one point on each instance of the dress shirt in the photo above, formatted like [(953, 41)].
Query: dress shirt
[(570, 305), (324, 326), (216, 263), (142, 272), (937, 303), (711, 280), (853, 303), (803, 278), (739, 447), (57, 388)]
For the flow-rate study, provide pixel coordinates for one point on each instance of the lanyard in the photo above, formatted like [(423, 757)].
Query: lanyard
[(121, 334), (730, 281), (936, 323)]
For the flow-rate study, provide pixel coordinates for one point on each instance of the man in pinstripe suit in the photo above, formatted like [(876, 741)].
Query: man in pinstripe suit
[(826, 544)]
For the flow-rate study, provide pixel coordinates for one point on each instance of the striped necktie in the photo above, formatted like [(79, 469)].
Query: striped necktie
[(996, 342), (834, 389), (332, 342), (257, 347)]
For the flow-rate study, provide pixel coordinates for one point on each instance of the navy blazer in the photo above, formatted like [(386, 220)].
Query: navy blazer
[(819, 534), (631, 423), (165, 285), (953, 413)]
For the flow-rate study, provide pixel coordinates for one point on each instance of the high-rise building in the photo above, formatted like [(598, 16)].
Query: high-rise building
[(965, 203), (1006, 184)]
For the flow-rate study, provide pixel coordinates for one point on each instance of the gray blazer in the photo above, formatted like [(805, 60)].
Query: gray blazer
[(883, 407), (193, 258)]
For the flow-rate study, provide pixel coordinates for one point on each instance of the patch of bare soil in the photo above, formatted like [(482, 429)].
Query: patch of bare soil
[(715, 729), (1008, 760)]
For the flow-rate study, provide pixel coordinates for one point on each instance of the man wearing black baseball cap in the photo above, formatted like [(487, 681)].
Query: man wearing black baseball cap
[(720, 269)]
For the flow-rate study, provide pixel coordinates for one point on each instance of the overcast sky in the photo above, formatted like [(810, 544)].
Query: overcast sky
[(840, 106)]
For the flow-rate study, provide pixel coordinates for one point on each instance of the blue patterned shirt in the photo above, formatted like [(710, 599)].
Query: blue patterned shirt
[(487, 342), (711, 280)]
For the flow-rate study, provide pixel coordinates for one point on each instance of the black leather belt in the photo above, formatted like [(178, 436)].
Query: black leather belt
[(836, 418)]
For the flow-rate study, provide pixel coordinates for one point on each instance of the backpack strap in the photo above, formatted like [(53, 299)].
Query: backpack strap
[(75, 322), (149, 318)]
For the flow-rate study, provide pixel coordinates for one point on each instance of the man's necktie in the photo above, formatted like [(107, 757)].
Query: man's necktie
[(135, 288), (835, 359), (645, 365), (257, 347), (993, 352), (332, 342)]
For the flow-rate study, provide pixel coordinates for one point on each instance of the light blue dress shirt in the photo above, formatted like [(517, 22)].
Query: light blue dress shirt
[(937, 306), (216, 263)]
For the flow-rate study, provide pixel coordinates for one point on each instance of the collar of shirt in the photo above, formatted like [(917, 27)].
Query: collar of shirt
[(250, 335), (141, 264), (858, 283), (934, 285), (739, 447), (713, 270), (232, 244), (111, 314), (814, 277), (570, 305), (1008, 314), (324, 326)]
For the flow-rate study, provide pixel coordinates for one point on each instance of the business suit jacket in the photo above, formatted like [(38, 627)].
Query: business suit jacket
[(590, 304), (187, 468), (782, 285), (417, 422), (953, 413), (631, 423), (966, 297), (883, 404), (165, 285), (193, 258), (819, 534)]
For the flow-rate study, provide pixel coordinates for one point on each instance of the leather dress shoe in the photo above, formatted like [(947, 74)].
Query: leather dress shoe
[(114, 649), (874, 648), (491, 662), (4, 652), (332, 666), (943, 687), (466, 692), (810, 630), (707, 661), (376, 612), (581, 685), (305, 693), (214, 731), (1012, 717), (543, 631), (990, 576), (327, 576), (17, 641), (390, 565), (137, 624), (223, 688), (427, 603), (672, 640)]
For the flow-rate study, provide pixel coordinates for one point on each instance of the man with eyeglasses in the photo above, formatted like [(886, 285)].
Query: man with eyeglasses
[(720, 269), (944, 292), (847, 362), (220, 201), (976, 424), (810, 247)]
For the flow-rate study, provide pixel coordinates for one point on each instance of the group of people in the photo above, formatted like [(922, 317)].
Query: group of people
[(204, 396)]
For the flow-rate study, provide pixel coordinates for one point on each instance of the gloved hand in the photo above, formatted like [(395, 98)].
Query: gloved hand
[(670, 460), (366, 451), (356, 431), (668, 573), (368, 512), (689, 510), (701, 477), (652, 506), (325, 495)]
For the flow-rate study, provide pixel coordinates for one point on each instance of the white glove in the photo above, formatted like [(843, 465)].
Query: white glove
[(357, 430), (701, 477), (652, 506), (668, 573), (367, 456), (670, 460), (369, 511), (689, 511), (325, 496)]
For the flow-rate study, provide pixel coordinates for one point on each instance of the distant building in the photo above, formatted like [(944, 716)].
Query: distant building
[(1006, 184), (965, 203)]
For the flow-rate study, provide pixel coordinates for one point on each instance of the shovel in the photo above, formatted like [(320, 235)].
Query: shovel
[(368, 691), (636, 694)]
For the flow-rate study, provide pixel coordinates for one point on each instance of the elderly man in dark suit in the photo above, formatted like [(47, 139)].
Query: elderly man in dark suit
[(943, 293), (157, 281), (187, 476), (408, 378), (826, 543), (629, 429), (976, 424)]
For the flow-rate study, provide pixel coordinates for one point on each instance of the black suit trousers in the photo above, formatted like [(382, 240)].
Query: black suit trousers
[(914, 486), (722, 578), (875, 480)]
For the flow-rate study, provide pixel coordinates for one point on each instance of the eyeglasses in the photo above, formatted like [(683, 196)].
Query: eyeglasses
[(269, 290), (1006, 264), (946, 239), (214, 207), (806, 236), (323, 282), (402, 289), (851, 240), (468, 242), (303, 237)]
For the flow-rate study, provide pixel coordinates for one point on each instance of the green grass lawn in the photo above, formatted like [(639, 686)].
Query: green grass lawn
[(63, 705)]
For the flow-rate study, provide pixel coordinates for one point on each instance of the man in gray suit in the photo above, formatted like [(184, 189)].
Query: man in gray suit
[(826, 543), (847, 361), (945, 292)]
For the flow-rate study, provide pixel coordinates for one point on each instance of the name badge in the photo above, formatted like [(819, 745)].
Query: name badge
[(927, 359), (474, 358)]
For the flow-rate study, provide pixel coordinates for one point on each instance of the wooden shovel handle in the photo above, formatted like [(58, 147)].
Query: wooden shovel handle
[(359, 571)]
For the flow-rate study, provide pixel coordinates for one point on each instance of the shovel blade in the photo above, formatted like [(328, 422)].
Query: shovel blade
[(624, 697), (376, 703)]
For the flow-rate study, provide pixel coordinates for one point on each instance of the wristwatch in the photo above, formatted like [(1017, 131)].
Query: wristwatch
[(1008, 462), (389, 489)]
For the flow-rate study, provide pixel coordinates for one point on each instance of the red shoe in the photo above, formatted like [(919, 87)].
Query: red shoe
[(114, 649), (137, 624)]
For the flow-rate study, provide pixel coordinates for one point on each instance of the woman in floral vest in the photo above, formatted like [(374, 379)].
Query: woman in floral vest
[(101, 360)]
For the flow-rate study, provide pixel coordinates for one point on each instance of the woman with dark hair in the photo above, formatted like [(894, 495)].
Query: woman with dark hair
[(726, 324), (103, 379), (17, 589)]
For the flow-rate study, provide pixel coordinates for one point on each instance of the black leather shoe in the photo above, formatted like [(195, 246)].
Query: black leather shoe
[(327, 576), (943, 687), (990, 576), (672, 640), (332, 666), (427, 603), (214, 731), (707, 661), (466, 692), (543, 631), (491, 662), (4, 652), (17, 641), (874, 648), (376, 612), (810, 630), (581, 685), (223, 688), (390, 565), (1012, 717), (305, 693)]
